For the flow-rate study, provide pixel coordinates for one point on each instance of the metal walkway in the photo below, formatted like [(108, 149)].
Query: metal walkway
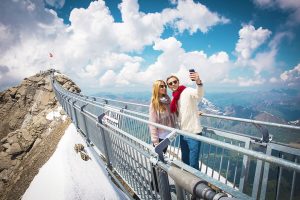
[(233, 165)]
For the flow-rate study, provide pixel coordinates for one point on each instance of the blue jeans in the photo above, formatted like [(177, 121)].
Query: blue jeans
[(190, 150)]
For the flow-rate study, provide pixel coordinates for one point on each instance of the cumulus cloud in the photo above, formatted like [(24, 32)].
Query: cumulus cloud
[(250, 58), (257, 62), (93, 42), (291, 77), (249, 40), (21, 47), (263, 61), (3, 69), (56, 3), (221, 57), (137, 29), (175, 60), (293, 6), (273, 80), (5, 78), (245, 82), (196, 16)]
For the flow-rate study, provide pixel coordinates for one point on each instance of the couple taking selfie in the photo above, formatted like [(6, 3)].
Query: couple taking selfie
[(181, 112)]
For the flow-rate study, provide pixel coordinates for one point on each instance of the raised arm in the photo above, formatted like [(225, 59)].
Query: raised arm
[(199, 92)]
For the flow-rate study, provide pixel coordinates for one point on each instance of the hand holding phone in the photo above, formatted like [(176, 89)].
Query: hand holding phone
[(191, 72)]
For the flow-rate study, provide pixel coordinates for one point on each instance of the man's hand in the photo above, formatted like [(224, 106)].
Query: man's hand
[(195, 76)]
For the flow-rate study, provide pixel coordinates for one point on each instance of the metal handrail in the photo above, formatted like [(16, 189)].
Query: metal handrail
[(220, 117), (209, 115), (252, 121), (248, 152)]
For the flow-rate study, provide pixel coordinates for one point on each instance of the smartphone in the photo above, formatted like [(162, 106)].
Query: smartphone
[(192, 71)]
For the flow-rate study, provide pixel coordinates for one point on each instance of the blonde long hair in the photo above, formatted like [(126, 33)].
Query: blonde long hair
[(155, 99)]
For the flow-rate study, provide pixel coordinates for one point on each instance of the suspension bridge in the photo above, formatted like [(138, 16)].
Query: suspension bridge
[(233, 165)]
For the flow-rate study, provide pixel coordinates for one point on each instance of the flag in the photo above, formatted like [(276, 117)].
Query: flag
[(51, 55)]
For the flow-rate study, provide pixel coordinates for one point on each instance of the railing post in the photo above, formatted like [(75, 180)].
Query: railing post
[(70, 105), (84, 122), (105, 141), (245, 168), (163, 180), (264, 182), (75, 115), (179, 192), (164, 185)]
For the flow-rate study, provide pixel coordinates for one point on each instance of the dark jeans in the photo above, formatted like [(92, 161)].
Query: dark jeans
[(190, 150)]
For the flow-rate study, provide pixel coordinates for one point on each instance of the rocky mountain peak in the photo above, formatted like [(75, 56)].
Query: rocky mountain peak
[(25, 125)]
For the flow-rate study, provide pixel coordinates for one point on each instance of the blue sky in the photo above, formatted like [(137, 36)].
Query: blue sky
[(125, 45)]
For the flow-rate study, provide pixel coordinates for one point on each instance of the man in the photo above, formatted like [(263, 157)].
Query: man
[(185, 105)]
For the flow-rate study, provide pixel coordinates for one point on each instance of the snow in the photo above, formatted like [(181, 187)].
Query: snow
[(294, 122), (67, 177), (56, 114), (209, 107)]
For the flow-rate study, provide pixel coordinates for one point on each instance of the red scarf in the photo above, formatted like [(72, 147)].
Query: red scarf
[(176, 95)]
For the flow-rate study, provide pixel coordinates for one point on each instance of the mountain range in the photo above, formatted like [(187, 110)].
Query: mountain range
[(276, 106)]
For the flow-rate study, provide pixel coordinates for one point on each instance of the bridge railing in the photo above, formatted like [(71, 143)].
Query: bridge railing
[(230, 163)]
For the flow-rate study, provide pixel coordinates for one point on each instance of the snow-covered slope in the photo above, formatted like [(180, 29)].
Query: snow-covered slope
[(208, 107), (67, 177)]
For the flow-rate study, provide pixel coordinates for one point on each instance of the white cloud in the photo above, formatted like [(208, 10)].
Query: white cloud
[(291, 77), (245, 82), (108, 79), (138, 29), (175, 60), (5, 33), (196, 16), (293, 6), (56, 3), (129, 75), (94, 43), (277, 39), (117, 60), (263, 61), (264, 3), (273, 80), (220, 57), (249, 40), (106, 61), (173, 2)]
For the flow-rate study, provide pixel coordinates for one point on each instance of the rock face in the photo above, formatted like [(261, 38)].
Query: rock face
[(24, 127)]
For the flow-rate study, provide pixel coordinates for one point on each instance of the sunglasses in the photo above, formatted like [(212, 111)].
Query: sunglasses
[(173, 83), (162, 86)]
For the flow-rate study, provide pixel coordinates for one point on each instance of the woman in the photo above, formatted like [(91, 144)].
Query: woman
[(159, 112)]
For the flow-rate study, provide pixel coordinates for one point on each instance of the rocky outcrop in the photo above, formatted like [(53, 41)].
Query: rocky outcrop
[(25, 123)]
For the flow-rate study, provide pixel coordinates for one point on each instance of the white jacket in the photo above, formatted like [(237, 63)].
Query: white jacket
[(188, 117)]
